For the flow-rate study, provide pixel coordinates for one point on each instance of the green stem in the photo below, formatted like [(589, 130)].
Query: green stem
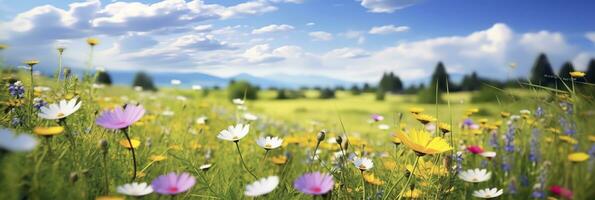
[(132, 150), (409, 179), (242, 160), (363, 185)]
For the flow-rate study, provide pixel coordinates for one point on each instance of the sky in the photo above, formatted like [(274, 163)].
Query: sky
[(354, 40)]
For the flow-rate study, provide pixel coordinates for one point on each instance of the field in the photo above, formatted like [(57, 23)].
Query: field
[(537, 147)]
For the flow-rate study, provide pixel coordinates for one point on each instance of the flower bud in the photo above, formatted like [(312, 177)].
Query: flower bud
[(321, 135), (339, 140), (104, 145)]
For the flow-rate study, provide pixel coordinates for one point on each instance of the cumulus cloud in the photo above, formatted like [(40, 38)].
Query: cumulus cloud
[(590, 36), (350, 53), (273, 28), (310, 24), (388, 29), (321, 36), (386, 6)]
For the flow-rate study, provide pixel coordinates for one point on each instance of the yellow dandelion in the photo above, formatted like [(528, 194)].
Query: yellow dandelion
[(92, 41), (32, 62), (157, 158), (578, 157), (425, 119), (413, 194), (483, 121), (504, 114), (427, 169), (473, 110), (444, 127), (48, 131), (422, 142), (553, 130), (568, 139), (279, 160), (135, 143), (416, 110), (371, 179), (395, 140), (577, 74)]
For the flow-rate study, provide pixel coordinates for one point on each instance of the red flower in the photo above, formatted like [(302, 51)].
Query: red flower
[(561, 191), (475, 149)]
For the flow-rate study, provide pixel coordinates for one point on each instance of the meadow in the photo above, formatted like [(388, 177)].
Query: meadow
[(66, 138)]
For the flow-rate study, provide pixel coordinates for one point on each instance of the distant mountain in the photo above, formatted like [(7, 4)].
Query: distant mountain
[(309, 80), (261, 81), (164, 78)]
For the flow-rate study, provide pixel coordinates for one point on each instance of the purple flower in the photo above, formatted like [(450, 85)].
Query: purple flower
[(377, 117), (120, 118), (172, 183), (534, 148), (314, 183), (17, 90), (509, 139)]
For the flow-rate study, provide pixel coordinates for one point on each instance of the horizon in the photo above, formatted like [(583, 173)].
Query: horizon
[(267, 37)]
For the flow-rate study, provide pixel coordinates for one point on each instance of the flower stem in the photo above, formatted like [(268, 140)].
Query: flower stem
[(132, 150), (266, 153), (363, 185), (242, 160), (409, 179)]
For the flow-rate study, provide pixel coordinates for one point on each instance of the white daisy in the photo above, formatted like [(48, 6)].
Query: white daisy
[(487, 193), (16, 143), (202, 120), (488, 154), (168, 113), (475, 175), (250, 117), (262, 186), (135, 189), (205, 167), (234, 133), (383, 127), (59, 110), (269, 143), (363, 164), (525, 112), (238, 101)]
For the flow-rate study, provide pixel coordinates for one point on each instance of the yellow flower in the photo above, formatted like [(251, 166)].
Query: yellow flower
[(109, 198), (476, 132), (483, 121), (578, 157), (371, 179), (577, 74), (568, 139), (124, 143), (32, 62), (389, 164), (473, 110), (427, 169), (444, 127), (416, 110), (279, 160), (92, 41), (157, 158), (413, 194), (48, 131), (592, 138), (504, 114), (175, 147), (549, 139), (424, 119), (422, 142), (395, 140), (554, 130)]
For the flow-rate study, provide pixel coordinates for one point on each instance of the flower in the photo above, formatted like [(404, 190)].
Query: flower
[(383, 126), (416, 110), (444, 127), (250, 117), (17, 89), (424, 119), (59, 110), (172, 183), (504, 114), (135, 189), (16, 143), (413, 194), (314, 183), (568, 139), (119, 118), (269, 143), (92, 41), (234, 133), (262, 186), (561, 191), (475, 175), (488, 193), (155, 158), (427, 169), (422, 143), (377, 117), (109, 198), (474, 149), (488, 154), (205, 167), (238, 101), (371, 179), (32, 62), (279, 160), (363, 164), (124, 143), (578, 157), (577, 74), (48, 131)]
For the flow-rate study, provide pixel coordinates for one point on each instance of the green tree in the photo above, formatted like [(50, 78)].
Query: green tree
[(327, 93), (542, 73), (143, 80), (564, 74), (590, 74), (103, 78), (471, 82), (440, 76), (355, 90), (241, 89)]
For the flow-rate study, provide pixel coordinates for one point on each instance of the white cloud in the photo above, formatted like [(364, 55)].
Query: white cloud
[(388, 29), (545, 41), (357, 35), (273, 28), (260, 54), (321, 35), (310, 24), (386, 6), (350, 53), (590, 36)]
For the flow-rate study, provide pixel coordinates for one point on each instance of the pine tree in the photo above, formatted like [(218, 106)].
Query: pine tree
[(397, 84), (103, 78), (440, 76), (590, 74), (542, 73), (564, 74), (471, 82), (143, 80)]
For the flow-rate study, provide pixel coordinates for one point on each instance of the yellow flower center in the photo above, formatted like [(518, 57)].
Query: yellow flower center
[(268, 146), (60, 114)]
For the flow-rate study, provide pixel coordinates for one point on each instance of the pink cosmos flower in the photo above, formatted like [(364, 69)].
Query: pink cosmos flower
[(561, 191), (475, 149), (314, 183), (120, 118), (377, 117), (172, 183)]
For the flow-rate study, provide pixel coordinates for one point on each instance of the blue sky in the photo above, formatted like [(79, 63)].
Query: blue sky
[(352, 40)]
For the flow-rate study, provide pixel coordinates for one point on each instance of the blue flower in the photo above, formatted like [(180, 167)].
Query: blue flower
[(17, 90)]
